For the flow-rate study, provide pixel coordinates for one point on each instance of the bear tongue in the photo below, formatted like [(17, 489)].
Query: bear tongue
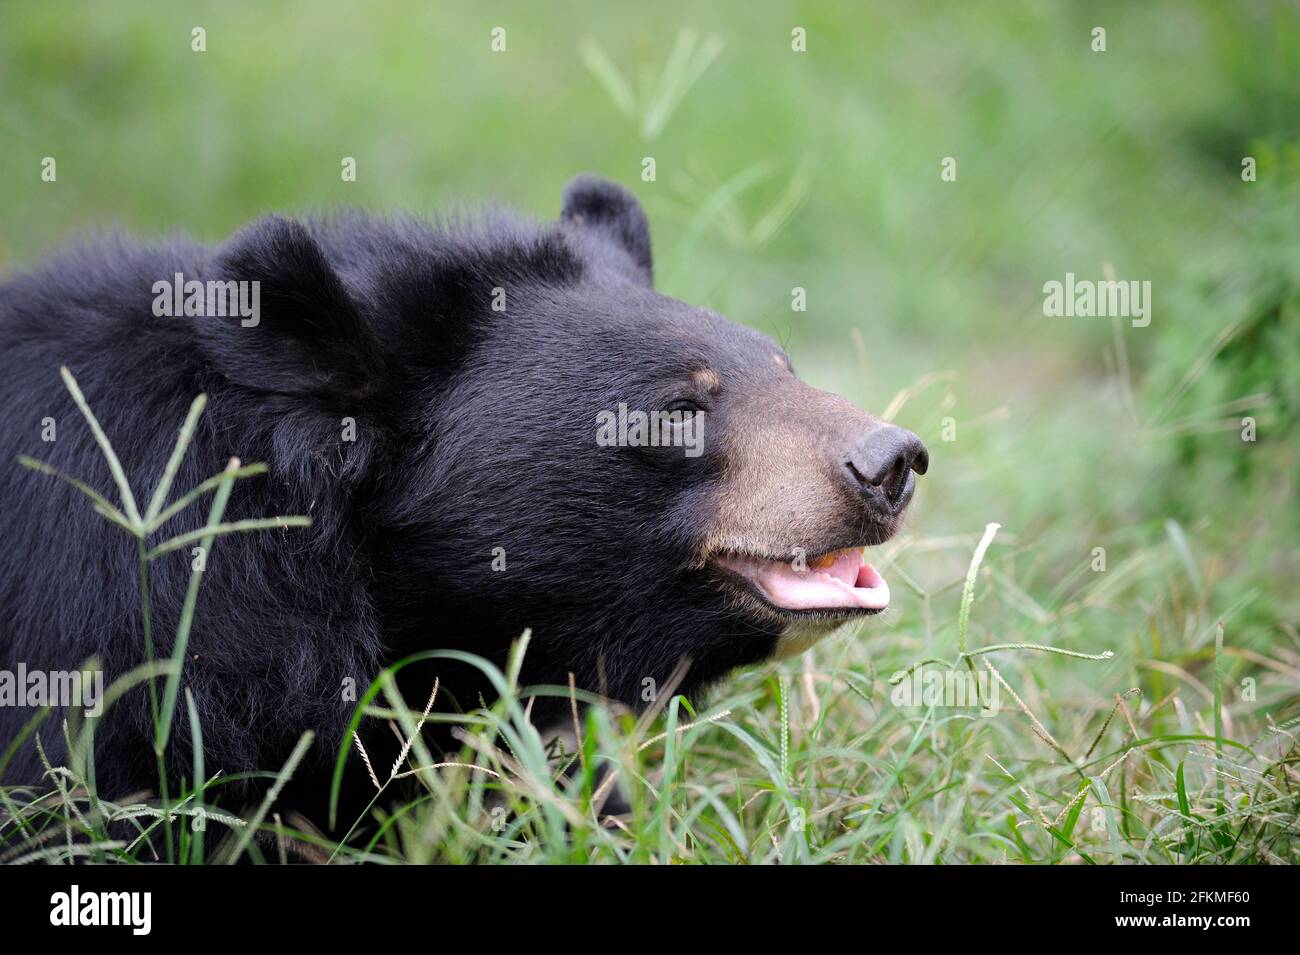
[(847, 581)]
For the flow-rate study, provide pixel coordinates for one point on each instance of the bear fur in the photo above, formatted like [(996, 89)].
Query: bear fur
[(471, 503)]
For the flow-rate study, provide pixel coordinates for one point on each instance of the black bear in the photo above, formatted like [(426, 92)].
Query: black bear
[(493, 425)]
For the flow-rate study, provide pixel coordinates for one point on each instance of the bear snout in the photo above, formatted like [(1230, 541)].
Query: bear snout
[(881, 467)]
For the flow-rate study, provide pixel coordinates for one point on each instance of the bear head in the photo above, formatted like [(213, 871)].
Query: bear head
[(544, 442)]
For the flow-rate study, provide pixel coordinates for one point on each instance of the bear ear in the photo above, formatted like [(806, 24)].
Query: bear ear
[(306, 335), (600, 206)]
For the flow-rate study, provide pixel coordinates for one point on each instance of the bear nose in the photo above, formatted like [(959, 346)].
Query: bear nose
[(882, 463)]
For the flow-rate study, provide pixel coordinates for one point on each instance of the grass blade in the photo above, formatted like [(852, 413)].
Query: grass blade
[(196, 744), (968, 591), (163, 729), (174, 462), (272, 794), (1218, 717), (211, 484), (600, 66), (214, 530), (114, 465), (102, 505)]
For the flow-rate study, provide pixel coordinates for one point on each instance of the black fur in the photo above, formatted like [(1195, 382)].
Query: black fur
[(474, 431)]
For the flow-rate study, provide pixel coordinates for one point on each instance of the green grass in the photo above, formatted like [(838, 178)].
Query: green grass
[(820, 170), (839, 770)]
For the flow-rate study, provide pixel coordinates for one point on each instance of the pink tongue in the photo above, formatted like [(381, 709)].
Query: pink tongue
[(848, 582)]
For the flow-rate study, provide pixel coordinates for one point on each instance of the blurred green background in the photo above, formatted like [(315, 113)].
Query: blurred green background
[(778, 169)]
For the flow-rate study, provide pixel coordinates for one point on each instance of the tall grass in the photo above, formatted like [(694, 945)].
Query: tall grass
[(809, 766), (144, 527), (818, 170)]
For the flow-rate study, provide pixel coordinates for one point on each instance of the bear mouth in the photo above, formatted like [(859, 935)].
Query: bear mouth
[(836, 584)]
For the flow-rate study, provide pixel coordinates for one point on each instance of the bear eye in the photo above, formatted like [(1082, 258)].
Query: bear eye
[(685, 405)]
